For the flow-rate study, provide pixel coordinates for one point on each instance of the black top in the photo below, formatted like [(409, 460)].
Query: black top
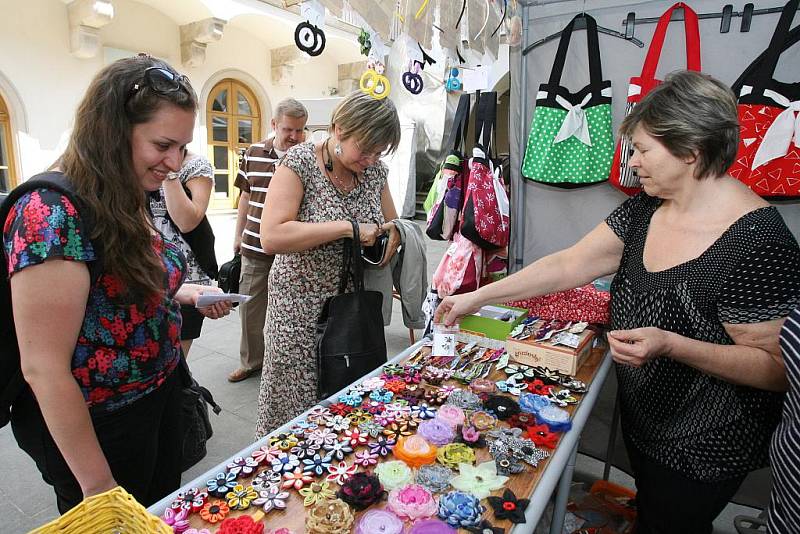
[(688, 421)]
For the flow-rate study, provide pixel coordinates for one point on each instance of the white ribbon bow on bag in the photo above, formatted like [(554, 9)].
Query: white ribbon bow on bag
[(575, 123), (779, 135)]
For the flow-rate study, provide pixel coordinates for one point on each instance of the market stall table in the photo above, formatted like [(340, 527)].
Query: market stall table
[(553, 473)]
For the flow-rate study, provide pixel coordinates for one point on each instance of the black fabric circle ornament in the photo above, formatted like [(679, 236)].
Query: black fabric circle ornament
[(502, 407), (412, 82), (309, 38)]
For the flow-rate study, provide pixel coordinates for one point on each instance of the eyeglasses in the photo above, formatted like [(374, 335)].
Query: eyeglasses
[(371, 155), (160, 80)]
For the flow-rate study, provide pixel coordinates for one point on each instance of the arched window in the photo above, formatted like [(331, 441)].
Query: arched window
[(8, 176), (233, 120)]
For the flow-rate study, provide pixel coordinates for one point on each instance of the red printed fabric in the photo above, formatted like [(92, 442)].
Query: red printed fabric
[(779, 177), (483, 222), (587, 304)]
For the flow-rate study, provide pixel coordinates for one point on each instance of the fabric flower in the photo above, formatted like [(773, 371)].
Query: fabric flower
[(414, 451), (464, 399), (478, 480), (373, 407), (240, 497), (381, 395), (484, 527), (453, 454), (460, 509), (395, 385), (338, 423), (452, 415), (242, 467), (519, 372), (539, 388), (371, 429), (435, 478), (273, 498), (512, 386), (393, 369), (393, 474), (303, 427), (265, 454), (197, 531), (316, 465), (340, 472), (372, 383), (436, 432), (317, 491), (483, 420), (412, 502), (284, 441), (361, 490), (431, 526), (322, 436), (214, 511), (381, 446), (317, 415), (177, 520), (244, 524), (502, 407), (221, 484), (382, 521), (265, 479), (305, 449), (285, 463), (508, 465), (469, 436), (542, 437), (509, 507), (341, 408), (548, 375), (366, 458), (562, 397), (396, 430), (192, 500), (532, 403), (423, 411), (355, 437), (327, 517), (359, 416), (296, 479), (338, 450), (521, 420)]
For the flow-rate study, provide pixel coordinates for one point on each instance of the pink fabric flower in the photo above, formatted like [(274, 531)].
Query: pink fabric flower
[(177, 520), (412, 502)]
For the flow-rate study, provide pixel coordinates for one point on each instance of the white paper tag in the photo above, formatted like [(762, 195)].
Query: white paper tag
[(313, 12), (444, 341), (476, 79), (565, 338), (207, 299)]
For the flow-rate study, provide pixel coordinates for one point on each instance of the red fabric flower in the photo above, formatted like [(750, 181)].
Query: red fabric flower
[(539, 388), (243, 524), (542, 437), (340, 408)]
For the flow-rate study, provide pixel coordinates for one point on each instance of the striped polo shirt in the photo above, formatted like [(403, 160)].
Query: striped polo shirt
[(254, 175)]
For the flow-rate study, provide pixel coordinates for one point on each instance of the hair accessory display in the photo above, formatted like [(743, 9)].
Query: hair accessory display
[(542, 436), (265, 479), (464, 399), (460, 509), (242, 467), (178, 520), (371, 429), (532, 403), (285, 463), (317, 465), (397, 430), (454, 454), (338, 450), (329, 517), (414, 451), (271, 498), (502, 407), (191, 500), (240, 497), (483, 420), (381, 446), (436, 432), (435, 478), (214, 511), (554, 417), (340, 472), (509, 507), (508, 465), (361, 490), (478, 480), (315, 492), (379, 522), (451, 414), (221, 484), (431, 526), (423, 411), (393, 474), (309, 38), (469, 435), (340, 408), (381, 395), (482, 385), (322, 436), (395, 385), (366, 458), (244, 524), (305, 449), (412, 502), (265, 454)]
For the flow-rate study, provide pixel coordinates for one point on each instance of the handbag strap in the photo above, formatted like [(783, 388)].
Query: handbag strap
[(691, 29), (457, 139), (347, 253), (486, 121), (745, 77), (352, 266), (765, 71), (595, 68)]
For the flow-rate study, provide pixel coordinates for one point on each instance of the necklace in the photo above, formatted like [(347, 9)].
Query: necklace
[(339, 183)]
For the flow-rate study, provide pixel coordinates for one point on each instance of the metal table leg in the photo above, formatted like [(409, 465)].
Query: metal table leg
[(562, 493)]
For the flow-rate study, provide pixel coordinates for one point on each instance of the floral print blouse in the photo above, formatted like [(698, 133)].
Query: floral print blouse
[(125, 349)]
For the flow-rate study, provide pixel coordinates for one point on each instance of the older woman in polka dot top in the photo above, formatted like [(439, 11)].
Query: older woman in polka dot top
[(706, 273)]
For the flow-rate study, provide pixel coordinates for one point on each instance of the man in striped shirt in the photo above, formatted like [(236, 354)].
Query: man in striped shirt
[(255, 172)]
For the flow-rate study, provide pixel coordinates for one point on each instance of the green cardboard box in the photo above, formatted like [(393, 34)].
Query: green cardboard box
[(495, 322)]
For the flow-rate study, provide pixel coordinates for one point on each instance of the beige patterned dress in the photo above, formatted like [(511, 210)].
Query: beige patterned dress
[(299, 284)]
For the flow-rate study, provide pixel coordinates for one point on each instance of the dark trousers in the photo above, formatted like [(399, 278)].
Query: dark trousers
[(667, 502), (142, 442)]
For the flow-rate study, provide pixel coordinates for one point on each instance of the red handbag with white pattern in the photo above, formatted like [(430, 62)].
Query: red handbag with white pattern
[(768, 159)]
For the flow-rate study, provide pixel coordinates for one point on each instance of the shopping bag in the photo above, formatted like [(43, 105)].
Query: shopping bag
[(571, 141), (768, 158), (623, 177)]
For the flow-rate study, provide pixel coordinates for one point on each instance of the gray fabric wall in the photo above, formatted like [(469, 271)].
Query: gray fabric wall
[(555, 218)]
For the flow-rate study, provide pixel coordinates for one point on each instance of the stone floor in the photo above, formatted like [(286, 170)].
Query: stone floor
[(27, 502)]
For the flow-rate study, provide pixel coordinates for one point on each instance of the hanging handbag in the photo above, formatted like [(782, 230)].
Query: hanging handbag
[(229, 274), (485, 219), (350, 337), (623, 177), (444, 215), (768, 158), (197, 430), (460, 269), (571, 141)]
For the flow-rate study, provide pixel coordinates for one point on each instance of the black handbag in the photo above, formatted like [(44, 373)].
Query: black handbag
[(350, 337), (197, 430), (229, 274), (201, 240)]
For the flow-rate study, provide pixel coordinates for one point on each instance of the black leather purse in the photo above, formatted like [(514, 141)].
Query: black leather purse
[(350, 337), (229, 274)]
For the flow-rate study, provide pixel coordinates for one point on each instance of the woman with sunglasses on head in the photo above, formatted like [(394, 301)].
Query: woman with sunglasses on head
[(101, 353), (315, 193)]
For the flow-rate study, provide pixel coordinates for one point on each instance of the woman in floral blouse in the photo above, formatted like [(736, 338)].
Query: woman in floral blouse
[(100, 352)]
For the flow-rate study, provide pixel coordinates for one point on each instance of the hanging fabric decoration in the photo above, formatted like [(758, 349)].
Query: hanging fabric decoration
[(373, 82), (453, 83), (417, 59), (768, 159), (308, 36), (623, 177), (571, 141), (364, 42)]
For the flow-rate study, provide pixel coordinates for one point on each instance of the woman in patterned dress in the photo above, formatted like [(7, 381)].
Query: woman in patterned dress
[(706, 273), (316, 191)]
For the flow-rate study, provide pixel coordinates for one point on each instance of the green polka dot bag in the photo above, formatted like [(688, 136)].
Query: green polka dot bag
[(571, 141)]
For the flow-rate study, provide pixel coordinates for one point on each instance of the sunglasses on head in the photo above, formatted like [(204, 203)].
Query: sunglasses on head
[(162, 81)]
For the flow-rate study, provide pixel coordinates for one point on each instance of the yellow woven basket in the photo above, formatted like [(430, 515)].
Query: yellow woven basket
[(115, 511)]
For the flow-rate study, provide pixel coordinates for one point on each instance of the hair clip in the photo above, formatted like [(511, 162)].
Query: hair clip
[(423, 411), (459, 509), (512, 386), (396, 430), (469, 436), (482, 420), (411, 421), (508, 465), (243, 467), (303, 427), (549, 376), (340, 472), (381, 446), (436, 432), (371, 428), (532, 403), (435, 478), (519, 372), (244, 524), (366, 458), (285, 463), (296, 479), (240, 497), (412, 502), (316, 492), (284, 441), (412, 377), (393, 474), (393, 369), (484, 527), (454, 454), (478, 480), (272, 498), (382, 521), (506, 434), (361, 490), (342, 409), (431, 526), (355, 438), (542, 436), (317, 465), (317, 415), (562, 397), (381, 395), (557, 419), (322, 436), (396, 410), (214, 511), (386, 418), (395, 385), (329, 517), (450, 414), (191, 500), (373, 383), (265, 479), (221, 484), (414, 451), (521, 420), (435, 397), (572, 384), (338, 423), (435, 375), (540, 388), (527, 451), (305, 449), (482, 385), (359, 416), (464, 399), (502, 407), (339, 449), (177, 519), (509, 507)]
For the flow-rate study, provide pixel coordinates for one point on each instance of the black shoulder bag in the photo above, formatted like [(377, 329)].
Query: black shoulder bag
[(350, 337)]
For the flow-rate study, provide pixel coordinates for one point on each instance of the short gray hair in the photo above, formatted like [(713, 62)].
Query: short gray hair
[(290, 107), (691, 114), (372, 122)]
